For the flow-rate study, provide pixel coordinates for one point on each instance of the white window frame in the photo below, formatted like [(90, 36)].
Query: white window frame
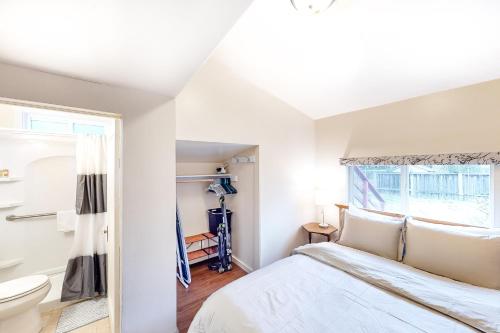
[(495, 195), (28, 117), (494, 214)]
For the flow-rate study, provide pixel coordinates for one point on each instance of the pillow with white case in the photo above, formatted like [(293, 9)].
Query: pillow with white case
[(466, 254), (371, 232)]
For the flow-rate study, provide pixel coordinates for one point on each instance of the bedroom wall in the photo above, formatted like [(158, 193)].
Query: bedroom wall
[(218, 106), (148, 245), (458, 120)]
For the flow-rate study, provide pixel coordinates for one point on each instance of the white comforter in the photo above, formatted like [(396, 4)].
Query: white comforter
[(330, 288)]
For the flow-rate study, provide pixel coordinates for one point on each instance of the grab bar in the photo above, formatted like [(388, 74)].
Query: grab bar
[(21, 217)]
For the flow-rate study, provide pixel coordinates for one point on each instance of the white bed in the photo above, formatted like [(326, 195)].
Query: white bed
[(327, 287)]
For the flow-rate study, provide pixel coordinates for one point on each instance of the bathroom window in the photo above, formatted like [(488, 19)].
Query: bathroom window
[(43, 123)]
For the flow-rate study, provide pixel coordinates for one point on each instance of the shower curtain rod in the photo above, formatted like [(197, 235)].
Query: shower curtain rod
[(21, 217)]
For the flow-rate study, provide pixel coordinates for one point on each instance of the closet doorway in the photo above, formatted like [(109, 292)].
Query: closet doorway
[(200, 165)]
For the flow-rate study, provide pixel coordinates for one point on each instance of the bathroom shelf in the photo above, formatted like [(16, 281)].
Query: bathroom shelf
[(10, 263), (10, 179), (10, 204)]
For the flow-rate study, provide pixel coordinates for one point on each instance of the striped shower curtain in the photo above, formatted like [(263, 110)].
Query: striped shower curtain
[(86, 271)]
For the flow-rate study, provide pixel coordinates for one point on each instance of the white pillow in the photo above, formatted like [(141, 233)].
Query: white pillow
[(465, 254), (371, 232)]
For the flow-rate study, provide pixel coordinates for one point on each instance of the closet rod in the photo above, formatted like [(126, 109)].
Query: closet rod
[(203, 178)]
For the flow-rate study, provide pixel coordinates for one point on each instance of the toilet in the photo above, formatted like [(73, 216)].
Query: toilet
[(19, 299)]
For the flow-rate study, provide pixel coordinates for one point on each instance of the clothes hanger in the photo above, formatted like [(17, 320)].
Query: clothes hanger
[(218, 189)]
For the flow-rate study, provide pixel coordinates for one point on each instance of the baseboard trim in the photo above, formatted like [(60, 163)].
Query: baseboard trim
[(242, 265)]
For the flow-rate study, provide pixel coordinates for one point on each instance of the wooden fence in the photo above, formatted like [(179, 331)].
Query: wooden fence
[(441, 185)]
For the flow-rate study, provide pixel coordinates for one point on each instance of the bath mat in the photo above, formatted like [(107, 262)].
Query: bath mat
[(81, 314)]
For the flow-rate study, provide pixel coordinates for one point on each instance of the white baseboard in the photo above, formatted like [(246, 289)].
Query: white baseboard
[(242, 265)]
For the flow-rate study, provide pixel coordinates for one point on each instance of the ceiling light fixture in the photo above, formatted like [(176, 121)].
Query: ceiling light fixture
[(312, 6)]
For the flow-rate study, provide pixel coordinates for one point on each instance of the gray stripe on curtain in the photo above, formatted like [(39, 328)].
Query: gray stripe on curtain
[(86, 277), (91, 194)]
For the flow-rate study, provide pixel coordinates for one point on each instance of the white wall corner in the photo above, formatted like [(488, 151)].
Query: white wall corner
[(244, 266)]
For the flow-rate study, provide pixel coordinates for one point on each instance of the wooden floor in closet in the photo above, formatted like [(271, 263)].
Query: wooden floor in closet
[(204, 283)]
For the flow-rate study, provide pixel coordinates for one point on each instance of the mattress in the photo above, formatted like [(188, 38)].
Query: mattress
[(327, 287)]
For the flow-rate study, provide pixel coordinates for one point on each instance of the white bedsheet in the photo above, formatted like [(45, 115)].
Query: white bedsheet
[(302, 294)]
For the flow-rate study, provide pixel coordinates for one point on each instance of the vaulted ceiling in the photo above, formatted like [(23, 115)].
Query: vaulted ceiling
[(358, 54), (364, 53), (153, 45)]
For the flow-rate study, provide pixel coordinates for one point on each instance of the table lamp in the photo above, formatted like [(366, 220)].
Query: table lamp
[(323, 198)]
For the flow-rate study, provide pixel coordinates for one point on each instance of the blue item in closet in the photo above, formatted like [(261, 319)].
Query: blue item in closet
[(183, 271), (226, 184), (215, 217)]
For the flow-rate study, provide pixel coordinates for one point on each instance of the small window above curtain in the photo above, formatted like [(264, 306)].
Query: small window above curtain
[(56, 124)]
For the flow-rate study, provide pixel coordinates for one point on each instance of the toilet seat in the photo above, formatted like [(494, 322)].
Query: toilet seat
[(17, 288)]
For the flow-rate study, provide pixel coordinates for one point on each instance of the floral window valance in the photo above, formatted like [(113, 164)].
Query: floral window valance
[(450, 159)]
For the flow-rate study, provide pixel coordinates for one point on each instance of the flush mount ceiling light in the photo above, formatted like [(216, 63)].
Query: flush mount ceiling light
[(312, 6)]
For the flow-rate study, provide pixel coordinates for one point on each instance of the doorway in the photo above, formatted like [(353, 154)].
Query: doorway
[(38, 149), (200, 165)]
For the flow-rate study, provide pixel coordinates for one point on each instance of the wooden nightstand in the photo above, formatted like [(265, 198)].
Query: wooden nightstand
[(314, 228)]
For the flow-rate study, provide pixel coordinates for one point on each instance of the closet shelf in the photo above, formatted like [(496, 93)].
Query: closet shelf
[(203, 178), (211, 250), (198, 238), (196, 255), (11, 204), (206, 250), (10, 179), (10, 263), (206, 253)]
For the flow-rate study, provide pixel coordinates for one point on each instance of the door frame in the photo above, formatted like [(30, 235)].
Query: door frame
[(118, 192)]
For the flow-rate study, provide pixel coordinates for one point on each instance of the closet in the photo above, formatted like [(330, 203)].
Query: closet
[(203, 165)]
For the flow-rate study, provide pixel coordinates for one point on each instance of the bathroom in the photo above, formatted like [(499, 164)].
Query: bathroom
[(39, 150)]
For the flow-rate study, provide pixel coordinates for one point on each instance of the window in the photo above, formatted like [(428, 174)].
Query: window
[(460, 193), (376, 186), (60, 125)]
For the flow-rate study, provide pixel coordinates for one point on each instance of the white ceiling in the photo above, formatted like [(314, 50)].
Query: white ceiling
[(195, 151), (153, 45), (364, 53), (358, 54)]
